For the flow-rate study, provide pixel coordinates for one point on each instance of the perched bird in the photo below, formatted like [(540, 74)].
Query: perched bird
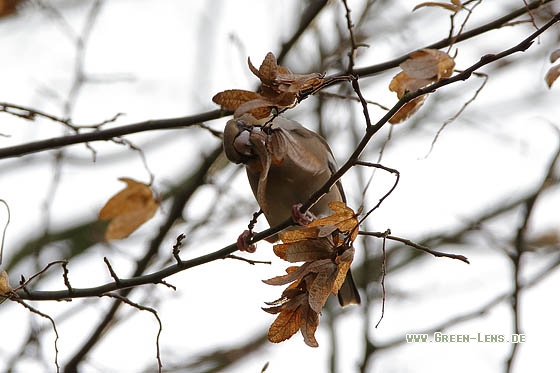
[(286, 163)]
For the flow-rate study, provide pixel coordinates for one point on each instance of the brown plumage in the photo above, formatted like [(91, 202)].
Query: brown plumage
[(286, 163)]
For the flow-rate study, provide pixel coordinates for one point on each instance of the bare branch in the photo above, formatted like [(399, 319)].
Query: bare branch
[(416, 245)]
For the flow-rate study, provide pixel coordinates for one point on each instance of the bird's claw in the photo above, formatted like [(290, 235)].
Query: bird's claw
[(299, 218), (243, 242)]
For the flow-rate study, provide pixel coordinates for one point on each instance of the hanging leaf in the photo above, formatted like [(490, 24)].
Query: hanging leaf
[(423, 68), (128, 209), (552, 75)]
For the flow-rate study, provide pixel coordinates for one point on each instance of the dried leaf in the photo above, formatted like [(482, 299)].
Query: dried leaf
[(231, 99), (343, 261), (287, 323), (552, 75), (299, 83), (322, 286), (408, 109), (428, 64), (305, 251), (421, 69), (554, 56), (452, 7), (268, 70), (291, 276), (402, 83), (259, 108), (299, 234), (309, 320), (344, 218), (128, 209), (4, 283)]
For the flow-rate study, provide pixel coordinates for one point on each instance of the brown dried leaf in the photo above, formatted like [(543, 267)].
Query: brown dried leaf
[(452, 7), (408, 109), (402, 83), (259, 108), (344, 218), (552, 75), (294, 274), (231, 99), (306, 250), (322, 286), (296, 83), (268, 70), (554, 56), (287, 323), (343, 261), (128, 209), (428, 64), (4, 283), (309, 321), (299, 234)]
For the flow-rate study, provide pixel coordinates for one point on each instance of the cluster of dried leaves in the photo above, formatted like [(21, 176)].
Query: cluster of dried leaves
[(423, 68), (325, 247), (128, 209), (279, 89)]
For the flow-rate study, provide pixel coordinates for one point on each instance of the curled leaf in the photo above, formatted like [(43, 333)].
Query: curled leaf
[(128, 209), (552, 75), (555, 56)]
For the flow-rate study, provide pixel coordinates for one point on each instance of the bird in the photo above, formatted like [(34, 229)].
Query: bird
[(286, 163)]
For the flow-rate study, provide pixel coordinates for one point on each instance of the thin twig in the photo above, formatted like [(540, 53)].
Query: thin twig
[(458, 113), (148, 309), (5, 228), (23, 282), (112, 271), (383, 275), (65, 276), (363, 101), (177, 247), (347, 97), (250, 261), (108, 134), (44, 315), (388, 169), (520, 247), (416, 246)]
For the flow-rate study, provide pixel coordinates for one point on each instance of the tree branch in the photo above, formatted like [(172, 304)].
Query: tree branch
[(159, 124)]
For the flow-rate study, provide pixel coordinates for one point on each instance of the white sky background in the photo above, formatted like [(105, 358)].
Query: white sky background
[(165, 59)]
